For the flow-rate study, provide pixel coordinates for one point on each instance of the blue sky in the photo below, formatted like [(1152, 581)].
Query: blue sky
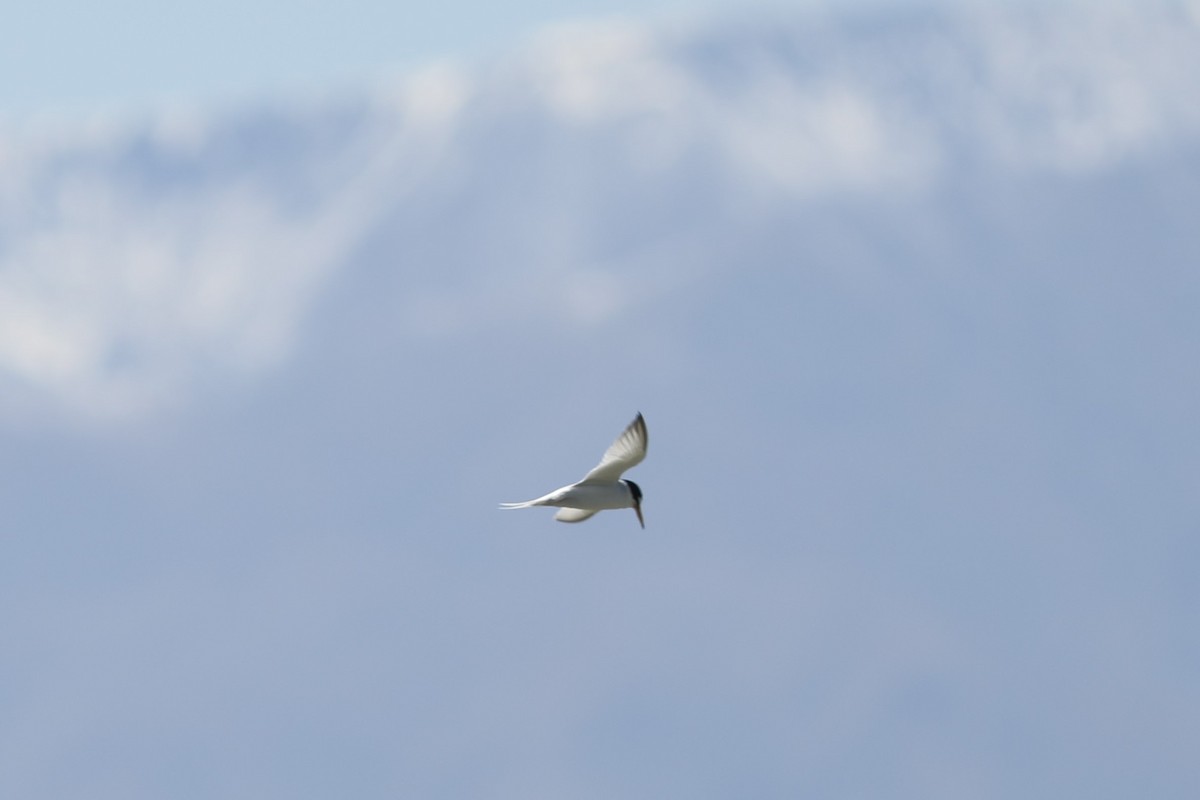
[(908, 303), (67, 56)]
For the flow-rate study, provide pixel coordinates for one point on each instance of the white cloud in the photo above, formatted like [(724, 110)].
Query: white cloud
[(811, 138), (1079, 91), (599, 71), (122, 283), (430, 98), (577, 297), (111, 302)]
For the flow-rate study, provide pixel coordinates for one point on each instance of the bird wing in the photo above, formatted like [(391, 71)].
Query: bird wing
[(627, 451), (573, 515)]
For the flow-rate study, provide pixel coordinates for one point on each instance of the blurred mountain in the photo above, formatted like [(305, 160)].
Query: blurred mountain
[(907, 297)]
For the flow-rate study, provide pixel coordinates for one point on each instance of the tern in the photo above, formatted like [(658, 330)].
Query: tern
[(602, 488)]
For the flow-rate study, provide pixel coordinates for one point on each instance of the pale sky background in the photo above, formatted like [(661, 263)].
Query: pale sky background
[(70, 57), (907, 300)]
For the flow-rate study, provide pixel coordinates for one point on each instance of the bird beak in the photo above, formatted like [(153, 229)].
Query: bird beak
[(637, 506)]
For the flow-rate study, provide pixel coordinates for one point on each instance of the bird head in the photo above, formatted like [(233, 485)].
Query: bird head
[(636, 491)]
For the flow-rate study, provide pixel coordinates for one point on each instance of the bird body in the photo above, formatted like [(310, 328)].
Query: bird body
[(602, 488), (585, 496)]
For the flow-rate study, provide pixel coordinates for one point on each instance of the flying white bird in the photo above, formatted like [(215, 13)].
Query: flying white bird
[(602, 488)]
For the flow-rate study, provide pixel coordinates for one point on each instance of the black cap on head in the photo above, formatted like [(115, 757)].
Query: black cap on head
[(636, 491)]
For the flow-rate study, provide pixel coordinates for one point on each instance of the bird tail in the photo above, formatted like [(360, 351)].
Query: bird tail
[(526, 504)]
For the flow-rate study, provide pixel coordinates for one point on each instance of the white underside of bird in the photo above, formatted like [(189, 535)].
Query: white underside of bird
[(601, 489)]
